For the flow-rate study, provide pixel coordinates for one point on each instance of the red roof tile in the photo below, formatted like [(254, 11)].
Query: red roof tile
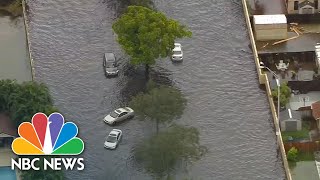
[(316, 110), (6, 126)]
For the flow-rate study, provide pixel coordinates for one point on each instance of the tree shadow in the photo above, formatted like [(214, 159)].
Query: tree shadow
[(136, 82)]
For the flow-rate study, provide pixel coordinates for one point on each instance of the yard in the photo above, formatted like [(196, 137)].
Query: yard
[(297, 135)]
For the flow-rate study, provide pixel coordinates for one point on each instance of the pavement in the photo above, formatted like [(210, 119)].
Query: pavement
[(303, 100)]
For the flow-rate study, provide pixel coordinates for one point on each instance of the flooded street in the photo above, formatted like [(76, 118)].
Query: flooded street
[(218, 78), (13, 49)]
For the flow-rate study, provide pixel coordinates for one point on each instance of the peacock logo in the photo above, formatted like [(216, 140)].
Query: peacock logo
[(48, 136)]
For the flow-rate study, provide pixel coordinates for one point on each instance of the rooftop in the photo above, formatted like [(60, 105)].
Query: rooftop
[(304, 43), (285, 115), (316, 110), (270, 19)]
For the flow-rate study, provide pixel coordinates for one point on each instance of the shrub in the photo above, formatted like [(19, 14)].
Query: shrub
[(292, 154)]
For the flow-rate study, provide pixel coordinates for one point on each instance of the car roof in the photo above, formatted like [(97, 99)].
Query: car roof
[(114, 132), (109, 56), (120, 110), (177, 49)]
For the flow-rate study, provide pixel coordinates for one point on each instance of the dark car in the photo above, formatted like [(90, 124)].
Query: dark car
[(110, 64)]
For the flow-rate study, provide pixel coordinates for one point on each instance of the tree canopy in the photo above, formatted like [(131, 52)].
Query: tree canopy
[(285, 93), (161, 104), (146, 35), (161, 153), (22, 101)]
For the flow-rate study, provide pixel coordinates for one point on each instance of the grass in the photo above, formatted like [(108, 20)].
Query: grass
[(303, 134), (15, 8)]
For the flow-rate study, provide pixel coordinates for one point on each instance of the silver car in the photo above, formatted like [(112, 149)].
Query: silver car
[(113, 139), (119, 115), (110, 64)]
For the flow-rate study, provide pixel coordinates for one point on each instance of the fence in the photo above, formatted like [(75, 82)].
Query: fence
[(307, 147)]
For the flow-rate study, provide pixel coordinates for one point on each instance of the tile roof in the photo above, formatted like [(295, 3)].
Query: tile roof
[(6, 126), (316, 110)]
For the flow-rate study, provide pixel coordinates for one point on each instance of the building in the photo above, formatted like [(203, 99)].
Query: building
[(7, 132), (270, 27), (303, 6), (290, 120)]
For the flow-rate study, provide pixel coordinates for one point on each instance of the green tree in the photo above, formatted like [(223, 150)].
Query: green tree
[(161, 153), (292, 154), (7, 88), (285, 93), (146, 35), (42, 174), (160, 104), (27, 99)]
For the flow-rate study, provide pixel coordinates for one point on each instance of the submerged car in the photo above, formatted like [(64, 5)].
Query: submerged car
[(119, 115), (110, 64), (177, 54), (113, 139)]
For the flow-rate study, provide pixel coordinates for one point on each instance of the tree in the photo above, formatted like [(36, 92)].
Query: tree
[(285, 93), (21, 102), (145, 35), (28, 99), (161, 153), (42, 174), (160, 104)]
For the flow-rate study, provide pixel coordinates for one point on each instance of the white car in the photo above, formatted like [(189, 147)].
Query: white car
[(113, 139), (177, 54), (119, 115)]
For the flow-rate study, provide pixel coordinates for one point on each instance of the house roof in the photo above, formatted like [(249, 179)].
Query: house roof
[(6, 126), (285, 115), (270, 19), (304, 3), (316, 110)]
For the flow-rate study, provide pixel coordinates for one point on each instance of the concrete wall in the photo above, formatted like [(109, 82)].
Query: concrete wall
[(25, 18), (263, 79)]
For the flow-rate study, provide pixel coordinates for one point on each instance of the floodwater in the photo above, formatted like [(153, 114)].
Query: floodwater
[(218, 78), (14, 61), (305, 169)]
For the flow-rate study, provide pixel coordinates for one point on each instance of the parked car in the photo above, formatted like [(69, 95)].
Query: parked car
[(177, 54), (113, 139), (119, 115), (110, 64)]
